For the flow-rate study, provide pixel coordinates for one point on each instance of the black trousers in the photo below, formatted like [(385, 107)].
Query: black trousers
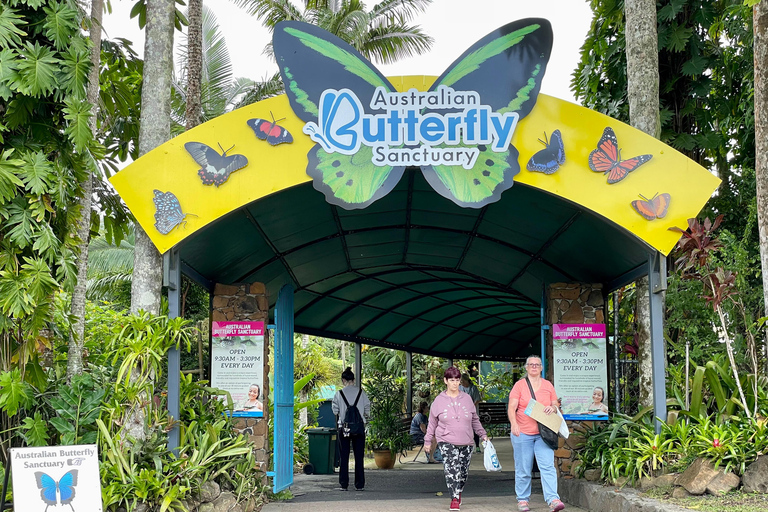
[(357, 443)]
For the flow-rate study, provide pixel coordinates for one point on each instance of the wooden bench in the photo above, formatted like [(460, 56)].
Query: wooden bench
[(406, 427), (494, 414)]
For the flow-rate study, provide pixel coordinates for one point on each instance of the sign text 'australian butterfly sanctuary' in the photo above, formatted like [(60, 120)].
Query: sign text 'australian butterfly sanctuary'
[(458, 133)]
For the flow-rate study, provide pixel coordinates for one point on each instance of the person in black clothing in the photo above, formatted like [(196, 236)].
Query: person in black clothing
[(344, 397)]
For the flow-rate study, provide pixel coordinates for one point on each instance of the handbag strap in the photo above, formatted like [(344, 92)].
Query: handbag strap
[(533, 395)]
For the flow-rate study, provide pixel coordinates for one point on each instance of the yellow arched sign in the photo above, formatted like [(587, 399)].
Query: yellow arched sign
[(681, 186)]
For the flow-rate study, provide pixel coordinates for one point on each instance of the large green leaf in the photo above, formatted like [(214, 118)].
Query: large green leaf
[(10, 27), (36, 430), (37, 69), (36, 172), (14, 392), (8, 179), (60, 24), (77, 113), (73, 77)]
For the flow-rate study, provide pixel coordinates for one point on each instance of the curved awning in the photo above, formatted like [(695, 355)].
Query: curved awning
[(414, 270)]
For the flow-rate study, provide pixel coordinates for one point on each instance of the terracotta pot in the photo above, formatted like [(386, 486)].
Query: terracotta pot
[(384, 459)]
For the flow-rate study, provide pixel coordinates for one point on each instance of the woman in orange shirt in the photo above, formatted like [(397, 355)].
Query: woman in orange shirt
[(526, 440)]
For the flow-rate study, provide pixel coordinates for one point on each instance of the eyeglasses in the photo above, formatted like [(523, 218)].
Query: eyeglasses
[(533, 365)]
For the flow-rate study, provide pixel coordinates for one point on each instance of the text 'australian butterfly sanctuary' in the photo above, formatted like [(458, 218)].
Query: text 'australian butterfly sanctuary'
[(61, 491), (336, 91), (168, 212), (607, 158), (549, 159), (653, 208), (270, 131), (214, 168)]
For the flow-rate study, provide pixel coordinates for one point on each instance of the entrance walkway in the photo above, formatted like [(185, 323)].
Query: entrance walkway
[(413, 486)]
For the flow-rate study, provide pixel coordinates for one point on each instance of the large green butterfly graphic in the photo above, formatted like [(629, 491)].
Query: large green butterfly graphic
[(505, 68)]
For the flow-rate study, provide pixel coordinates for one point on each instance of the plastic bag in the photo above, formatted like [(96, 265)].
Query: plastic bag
[(489, 457), (563, 426)]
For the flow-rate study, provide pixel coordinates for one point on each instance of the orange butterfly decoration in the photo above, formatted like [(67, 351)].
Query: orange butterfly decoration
[(607, 158), (653, 208)]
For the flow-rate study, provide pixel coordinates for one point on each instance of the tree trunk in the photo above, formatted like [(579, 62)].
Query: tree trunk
[(643, 94), (77, 307), (194, 62), (760, 22), (155, 129)]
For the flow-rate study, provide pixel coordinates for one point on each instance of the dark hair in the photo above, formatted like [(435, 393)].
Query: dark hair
[(347, 374), (423, 407), (602, 391), (452, 373), (258, 388)]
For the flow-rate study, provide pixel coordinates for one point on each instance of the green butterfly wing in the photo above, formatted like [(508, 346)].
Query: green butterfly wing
[(506, 68), (312, 60), (351, 181), (491, 175)]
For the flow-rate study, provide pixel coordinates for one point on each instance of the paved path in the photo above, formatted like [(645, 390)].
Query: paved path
[(412, 487)]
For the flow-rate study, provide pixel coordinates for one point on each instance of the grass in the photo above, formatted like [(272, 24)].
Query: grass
[(736, 501)]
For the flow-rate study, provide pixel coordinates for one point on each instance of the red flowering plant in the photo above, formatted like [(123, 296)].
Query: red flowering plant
[(695, 259)]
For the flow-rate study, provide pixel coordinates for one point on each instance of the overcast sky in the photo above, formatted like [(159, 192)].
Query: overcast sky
[(454, 24)]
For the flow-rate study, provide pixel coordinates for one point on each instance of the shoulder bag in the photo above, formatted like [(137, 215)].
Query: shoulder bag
[(548, 435)]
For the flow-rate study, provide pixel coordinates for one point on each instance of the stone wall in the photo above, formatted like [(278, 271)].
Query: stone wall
[(241, 303), (572, 303)]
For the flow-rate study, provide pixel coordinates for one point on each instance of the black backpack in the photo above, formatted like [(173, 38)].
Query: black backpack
[(353, 421)]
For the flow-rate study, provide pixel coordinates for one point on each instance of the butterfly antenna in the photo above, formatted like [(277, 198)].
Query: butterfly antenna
[(645, 198), (227, 151), (273, 118)]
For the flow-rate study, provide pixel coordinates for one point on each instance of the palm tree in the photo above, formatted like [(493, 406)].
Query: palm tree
[(110, 267), (219, 91), (382, 34)]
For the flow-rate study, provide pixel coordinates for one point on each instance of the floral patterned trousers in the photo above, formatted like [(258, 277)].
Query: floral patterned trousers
[(456, 465)]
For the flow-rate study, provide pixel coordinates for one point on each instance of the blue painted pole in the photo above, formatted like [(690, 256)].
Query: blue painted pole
[(174, 356), (657, 284)]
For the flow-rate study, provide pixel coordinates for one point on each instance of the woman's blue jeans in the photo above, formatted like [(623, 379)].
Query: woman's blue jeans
[(526, 447)]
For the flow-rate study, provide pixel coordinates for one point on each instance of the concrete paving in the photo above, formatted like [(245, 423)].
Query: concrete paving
[(414, 486)]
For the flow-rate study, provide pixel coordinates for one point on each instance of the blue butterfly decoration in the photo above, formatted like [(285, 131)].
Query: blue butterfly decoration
[(50, 488), (549, 159), (168, 212)]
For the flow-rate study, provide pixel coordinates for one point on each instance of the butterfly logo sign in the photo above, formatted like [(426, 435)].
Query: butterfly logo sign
[(54, 492), (366, 133), (215, 168), (270, 131), (549, 159), (653, 208), (607, 158), (168, 212)]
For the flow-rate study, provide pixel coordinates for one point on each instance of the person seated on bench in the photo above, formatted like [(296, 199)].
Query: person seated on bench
[(419, 428)]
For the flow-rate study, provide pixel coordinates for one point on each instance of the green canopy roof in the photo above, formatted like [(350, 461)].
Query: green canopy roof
[(414, 271)]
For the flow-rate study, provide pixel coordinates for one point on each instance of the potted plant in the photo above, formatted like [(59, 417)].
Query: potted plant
[(387, 432)]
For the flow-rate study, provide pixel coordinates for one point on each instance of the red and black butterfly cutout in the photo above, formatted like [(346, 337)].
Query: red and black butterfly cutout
[(607, 158), (270, 131), (214, 168), (653, 208)]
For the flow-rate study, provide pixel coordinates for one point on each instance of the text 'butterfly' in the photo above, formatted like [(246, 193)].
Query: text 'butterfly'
[(607, 158), (214, 168), (63, 489), (653, 208), (549, 159), (270, 131), (168, 212)]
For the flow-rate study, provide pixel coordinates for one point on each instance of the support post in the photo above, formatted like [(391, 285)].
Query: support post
[(409, 378), (359, 364), (657, 285), (544, 328), (450, 361), (173, 262), (616, 354)]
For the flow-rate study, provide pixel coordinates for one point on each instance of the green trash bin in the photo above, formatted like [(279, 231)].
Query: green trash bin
[(322, 449)]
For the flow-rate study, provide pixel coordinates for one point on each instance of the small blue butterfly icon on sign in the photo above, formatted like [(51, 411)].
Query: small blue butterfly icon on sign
[(53, 491)]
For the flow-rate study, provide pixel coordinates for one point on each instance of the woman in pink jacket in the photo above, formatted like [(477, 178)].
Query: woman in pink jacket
[(453, 421)]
